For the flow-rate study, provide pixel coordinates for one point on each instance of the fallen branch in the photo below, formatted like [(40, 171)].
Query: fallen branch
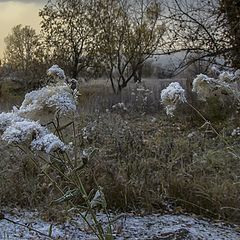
[(2, 217)]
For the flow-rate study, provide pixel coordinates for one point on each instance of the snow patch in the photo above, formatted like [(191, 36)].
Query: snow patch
[(128, 226)]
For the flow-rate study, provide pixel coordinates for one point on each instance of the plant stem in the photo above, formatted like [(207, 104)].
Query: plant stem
[(214, 130), (29, 228), (99, 235)]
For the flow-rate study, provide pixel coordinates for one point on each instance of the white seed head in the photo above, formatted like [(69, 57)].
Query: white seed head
[(172, 96)]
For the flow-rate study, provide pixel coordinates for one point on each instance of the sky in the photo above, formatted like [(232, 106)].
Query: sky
[(17, 12)]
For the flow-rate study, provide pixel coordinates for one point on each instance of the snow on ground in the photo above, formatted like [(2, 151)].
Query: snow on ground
[(133, 227)]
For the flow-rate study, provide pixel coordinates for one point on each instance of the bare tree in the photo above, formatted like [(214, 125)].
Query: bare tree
[(127, 34), (208, 30), (65, 27), (195, 28)]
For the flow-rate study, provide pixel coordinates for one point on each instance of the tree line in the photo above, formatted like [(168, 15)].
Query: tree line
[(114, 38)]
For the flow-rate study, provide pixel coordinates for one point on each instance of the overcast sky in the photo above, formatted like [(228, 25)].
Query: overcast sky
[(15, 12), (23, 1)]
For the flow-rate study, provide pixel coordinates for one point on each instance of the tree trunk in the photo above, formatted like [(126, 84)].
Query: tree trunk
[(231, 10)]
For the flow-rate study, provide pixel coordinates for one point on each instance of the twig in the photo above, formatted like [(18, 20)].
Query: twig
[(29, 228)]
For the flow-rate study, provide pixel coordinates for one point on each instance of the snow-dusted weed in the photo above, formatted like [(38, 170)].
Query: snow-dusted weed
[(222, 89), (119, 107), (172, 96), (142, 160), (205, 88), (48, 103), (56, 73), (26, 128), (141, 97)]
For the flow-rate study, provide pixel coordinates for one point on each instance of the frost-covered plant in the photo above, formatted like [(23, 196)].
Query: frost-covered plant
[(48, 143), (141, 96), (21, 130), (172, 96), (99, 199), (6, 119), (24, 124), (207, 87), (48, 102), (24, 128), (229, 75), (119, 106), (62, 100), (56, 72), (202, 85)]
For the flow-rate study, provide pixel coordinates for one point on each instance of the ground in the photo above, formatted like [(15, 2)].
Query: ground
[(128, 226)]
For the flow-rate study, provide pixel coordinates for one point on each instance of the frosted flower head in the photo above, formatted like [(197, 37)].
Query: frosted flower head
[(226, 77), (56, 73), (62, 101), (34, 101), (172, 96), (44, 104), (6, 119), (48, 143), (31, 132), (22, 131)]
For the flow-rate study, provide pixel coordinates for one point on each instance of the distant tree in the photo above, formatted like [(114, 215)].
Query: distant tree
[(127, 33), (23, 53), (67, 34)]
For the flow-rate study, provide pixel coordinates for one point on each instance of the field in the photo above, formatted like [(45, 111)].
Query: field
[(144, 160), (120, 120)]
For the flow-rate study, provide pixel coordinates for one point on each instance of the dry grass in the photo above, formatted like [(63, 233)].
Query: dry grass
[(142, 159), (10, 94), (144, 165)]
